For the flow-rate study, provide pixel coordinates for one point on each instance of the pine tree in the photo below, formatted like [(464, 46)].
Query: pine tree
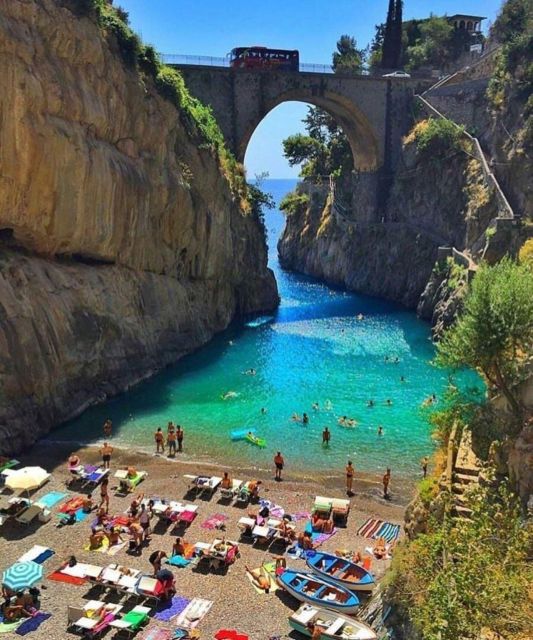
[(388, 38), (397, 51)]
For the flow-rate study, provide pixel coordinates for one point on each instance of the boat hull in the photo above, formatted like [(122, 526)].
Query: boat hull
[(335, 625), (362, 580), (308, 587)]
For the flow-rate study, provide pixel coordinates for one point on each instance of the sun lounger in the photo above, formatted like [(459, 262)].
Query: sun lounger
[(220, 553), (246, 526), (203, 483), (28, 515), (82, 570), (185, 515), (244, 493), (12, 507), (133, 620), (94, 478), (8, 464), (150, 588), (91, 622), (232, 491), (340, 510)]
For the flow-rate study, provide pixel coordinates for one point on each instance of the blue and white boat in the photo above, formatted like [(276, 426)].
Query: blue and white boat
[(341, 571), (331, 623), (308, 587)]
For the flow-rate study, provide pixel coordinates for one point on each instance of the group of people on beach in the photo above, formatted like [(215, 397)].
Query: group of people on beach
[(174, 436)]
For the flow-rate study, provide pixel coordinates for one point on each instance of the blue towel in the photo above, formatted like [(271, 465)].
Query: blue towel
[(178, 561), (170, 608), (81, 515), (52, 498), (31, 624), (44, 556)]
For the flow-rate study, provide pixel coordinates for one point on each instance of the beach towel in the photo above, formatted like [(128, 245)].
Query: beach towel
[(178, 561), (155, 633), (300, 515), (32, 624), (103, 548), (317, 537), (388, 531), (270, 569), (51, 499), (115, 548), (37, 553), (72, 505), (168, 609), (275, 509), (120, 521), (6, 627), (57, 576), (215, 521), (195, 611), (368, 529)]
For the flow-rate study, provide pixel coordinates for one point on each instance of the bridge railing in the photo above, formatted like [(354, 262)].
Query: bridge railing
[(213, 61)]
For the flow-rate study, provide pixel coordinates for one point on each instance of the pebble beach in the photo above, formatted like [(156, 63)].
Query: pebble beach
[(236, 604)]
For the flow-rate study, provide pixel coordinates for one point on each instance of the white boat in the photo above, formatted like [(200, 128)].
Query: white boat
[(335, 625)]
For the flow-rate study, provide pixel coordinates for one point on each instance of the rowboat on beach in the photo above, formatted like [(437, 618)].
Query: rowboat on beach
[(340, 571), (308, 587), (334, 624)]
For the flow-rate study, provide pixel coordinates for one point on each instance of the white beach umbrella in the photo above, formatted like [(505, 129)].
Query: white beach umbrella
[(27, 478)]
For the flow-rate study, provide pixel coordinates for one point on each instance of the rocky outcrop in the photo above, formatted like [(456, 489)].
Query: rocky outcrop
[(122, 245), (433, 202)]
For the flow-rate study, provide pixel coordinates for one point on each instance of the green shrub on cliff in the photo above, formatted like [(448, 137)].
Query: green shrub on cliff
[(463, 576), (294, 203), (436, 136), (494, 333)]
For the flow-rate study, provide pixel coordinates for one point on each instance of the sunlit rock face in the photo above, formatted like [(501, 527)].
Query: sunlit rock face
[(121, 245)]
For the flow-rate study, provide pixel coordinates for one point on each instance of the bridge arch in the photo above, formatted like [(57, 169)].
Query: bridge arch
[(363, 140)]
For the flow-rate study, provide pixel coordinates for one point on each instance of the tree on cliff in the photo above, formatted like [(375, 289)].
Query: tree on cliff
[(494, 333), (348, 58), (322, 150), (392, 39)]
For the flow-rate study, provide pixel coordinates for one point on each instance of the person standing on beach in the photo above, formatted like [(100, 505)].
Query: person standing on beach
[(179, 436), (326, 436), (108, 428), (349, 477), (424, 462), (279, 462), (159, 441), (171, 441), (104, 494), (106, 452), (386, 482)]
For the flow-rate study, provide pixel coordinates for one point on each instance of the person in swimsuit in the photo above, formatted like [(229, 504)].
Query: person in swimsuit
[(144, 521), (156, 558), (108, 428), (424, 463), (326, 436), (104, 494), (178, 548), (305, 418), (380, 430), (226, 481), (171, 442), (279, 463), (106, 452), (349, 477), (159, 441), (179, 437), (386, 482), (260, 578)]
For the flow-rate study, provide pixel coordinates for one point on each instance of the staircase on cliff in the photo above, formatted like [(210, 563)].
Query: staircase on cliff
[(465, 476)]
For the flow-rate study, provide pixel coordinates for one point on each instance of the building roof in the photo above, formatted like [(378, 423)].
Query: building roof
[(464, 15)]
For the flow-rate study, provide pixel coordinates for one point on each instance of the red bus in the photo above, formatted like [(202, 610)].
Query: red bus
[(264, 58)]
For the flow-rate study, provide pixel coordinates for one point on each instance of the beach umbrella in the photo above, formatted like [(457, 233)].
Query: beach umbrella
[(27, 478), (21, 575)]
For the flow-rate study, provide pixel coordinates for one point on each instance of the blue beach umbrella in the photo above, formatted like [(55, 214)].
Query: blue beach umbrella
[(21, 575)]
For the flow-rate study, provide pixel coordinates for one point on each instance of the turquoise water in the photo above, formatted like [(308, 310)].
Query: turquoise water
[(312, 350)]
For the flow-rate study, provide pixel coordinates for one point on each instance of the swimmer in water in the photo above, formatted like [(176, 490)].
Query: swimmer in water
[(370, 403), (250, 372), (230, 394), (295, 417), (360, 317), (380, 430), (305, 418), (263, 411), (402, 379), (315, 406), (328, 406), (388, 402), (342, 420)]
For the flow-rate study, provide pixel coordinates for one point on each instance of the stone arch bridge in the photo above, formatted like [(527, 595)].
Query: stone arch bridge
[(374, 112)]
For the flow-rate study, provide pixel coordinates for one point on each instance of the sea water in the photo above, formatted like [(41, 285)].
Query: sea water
[(313, 349)]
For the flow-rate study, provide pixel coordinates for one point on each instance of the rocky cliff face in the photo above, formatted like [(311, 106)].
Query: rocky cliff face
[(121, 244), (433, 202)]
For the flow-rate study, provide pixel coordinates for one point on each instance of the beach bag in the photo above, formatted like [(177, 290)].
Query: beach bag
[(72, 561)]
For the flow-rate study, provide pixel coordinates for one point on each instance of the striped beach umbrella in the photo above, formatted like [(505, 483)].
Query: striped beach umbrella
[(22, 574)]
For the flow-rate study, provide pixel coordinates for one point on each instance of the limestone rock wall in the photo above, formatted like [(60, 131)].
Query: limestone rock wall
[(432, 203), (121, 244)]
